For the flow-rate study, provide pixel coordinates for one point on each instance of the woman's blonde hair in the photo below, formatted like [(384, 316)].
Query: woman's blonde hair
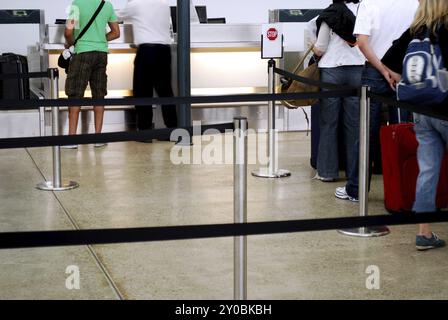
[(430, 14)]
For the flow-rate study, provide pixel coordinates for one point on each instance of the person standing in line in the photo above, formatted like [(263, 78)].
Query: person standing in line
[(341, 63), (151, 21), (89, 63), (431, 133), (378, 24)]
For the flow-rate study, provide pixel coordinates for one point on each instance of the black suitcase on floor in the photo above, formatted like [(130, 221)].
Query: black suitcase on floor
[(16, 89)]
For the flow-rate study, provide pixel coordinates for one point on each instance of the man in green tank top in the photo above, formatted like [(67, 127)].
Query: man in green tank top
[(89, 63)]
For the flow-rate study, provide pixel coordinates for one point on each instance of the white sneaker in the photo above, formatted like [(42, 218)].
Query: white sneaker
[(318, 177), (100, 145), (70, 146), (341, 193)]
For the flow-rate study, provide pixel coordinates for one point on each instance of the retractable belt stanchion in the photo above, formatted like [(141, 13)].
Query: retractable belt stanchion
[(364, 145), (271, 171), (240, 206), (56, 184)]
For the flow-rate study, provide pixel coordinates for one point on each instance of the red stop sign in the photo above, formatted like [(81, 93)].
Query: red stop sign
[(272, 34)]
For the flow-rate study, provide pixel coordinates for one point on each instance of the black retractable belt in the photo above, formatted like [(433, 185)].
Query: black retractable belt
[(13, 104), (15, 240), (160, 134), (30, 75), (312, 82), (436, 111)]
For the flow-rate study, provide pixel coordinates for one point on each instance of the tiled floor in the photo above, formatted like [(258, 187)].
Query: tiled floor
[(135, 185)]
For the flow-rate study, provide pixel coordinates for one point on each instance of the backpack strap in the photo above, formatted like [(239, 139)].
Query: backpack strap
[(89, 24)]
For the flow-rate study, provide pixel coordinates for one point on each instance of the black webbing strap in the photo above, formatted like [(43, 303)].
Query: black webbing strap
[(160, 134), (312, 82), (30, 75), (32, 104), (439, 112), (15, 240)]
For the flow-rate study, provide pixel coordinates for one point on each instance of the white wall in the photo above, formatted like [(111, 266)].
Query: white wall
[(254, 11), (54, 9), (17, 39), (236, 11)]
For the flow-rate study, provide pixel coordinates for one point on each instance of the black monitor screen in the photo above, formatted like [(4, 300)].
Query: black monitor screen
[(174, 18), (216, 20), (202, 13)]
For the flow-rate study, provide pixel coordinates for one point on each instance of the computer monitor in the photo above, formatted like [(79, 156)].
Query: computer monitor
[(202, 13), (216, 20), (174, 18)]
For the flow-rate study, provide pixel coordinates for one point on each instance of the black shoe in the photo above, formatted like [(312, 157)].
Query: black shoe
[(144, 129), (422, 243), (165, 139)]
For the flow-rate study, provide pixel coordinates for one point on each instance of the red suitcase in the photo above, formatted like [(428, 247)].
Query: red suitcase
[(400, 169)]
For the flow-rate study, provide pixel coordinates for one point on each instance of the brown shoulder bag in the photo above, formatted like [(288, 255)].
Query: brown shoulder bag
[(292, 86)]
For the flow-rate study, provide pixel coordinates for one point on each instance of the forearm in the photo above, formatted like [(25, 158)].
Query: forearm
[(370, 55), (114, 31), (317, 52), (323, 40), (69, 38), (310, 32), (112, 36)]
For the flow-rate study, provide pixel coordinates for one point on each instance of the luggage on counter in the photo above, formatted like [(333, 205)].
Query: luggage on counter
[(400, 169), (16, 89)]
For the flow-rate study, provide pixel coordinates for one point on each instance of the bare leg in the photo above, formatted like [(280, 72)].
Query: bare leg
[(424, 230), (73, 116), (99, 116)]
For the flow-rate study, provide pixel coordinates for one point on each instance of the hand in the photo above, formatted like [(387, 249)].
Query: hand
[(395, 76), (317, 52), (66, 45), (386, 74), (393, 79), (389, 78)]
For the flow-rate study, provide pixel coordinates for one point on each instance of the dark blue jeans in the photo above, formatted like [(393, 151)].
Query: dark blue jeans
[(373, 78), (327, 160)]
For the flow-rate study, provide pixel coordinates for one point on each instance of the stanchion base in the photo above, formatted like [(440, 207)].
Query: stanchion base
[(48, 186), (264, 173), (365, 232)]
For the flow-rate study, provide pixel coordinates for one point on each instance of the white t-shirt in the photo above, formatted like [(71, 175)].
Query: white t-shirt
[(310, 33), (384, 21), (151, 20), (337, 52)]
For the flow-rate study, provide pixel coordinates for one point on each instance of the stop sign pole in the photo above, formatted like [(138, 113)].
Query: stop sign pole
[(272, 48)]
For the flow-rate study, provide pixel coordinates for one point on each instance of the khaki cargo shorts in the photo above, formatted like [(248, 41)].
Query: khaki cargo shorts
[(87, 68)]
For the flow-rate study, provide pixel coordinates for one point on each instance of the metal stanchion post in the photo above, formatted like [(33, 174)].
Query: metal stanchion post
[(240, 206), (272, 170), (56, 184), (364, 145)]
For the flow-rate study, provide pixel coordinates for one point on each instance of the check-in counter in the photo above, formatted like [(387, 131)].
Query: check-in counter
[(225, 59)]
